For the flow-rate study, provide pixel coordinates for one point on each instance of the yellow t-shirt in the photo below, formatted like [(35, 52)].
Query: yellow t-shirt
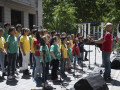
[(26, 42), (2, 42), (32, 46), (17, 34), (64, 51), (71, 43), (59, 43)]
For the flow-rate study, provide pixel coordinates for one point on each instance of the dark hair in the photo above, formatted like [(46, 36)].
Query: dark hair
[(24, 30), (38, 36), (63, 38), (11, 29), (53, 39), (34, 31), (5, 25), (18, 25), (80, 37), (53, 32), (42, 41)]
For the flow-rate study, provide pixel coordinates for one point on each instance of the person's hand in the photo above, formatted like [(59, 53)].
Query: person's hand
[(24, 53), (4, 52)]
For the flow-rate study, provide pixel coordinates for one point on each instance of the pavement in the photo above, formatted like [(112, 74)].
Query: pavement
[(26, 82)]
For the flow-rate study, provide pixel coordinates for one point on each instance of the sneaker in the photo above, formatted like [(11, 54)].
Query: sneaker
[(4, 74), (107, 78), (9, 78), (102, 65), (86, 59)]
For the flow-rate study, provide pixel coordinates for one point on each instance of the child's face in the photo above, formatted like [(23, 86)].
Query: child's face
[(65, 40), (26, 32), (56, 41), (80, 39), (7, 27), (69, 45), (13, 32), (1, 33), (19, 29)]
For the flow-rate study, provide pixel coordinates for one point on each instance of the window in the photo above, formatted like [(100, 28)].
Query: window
[(16, 17)]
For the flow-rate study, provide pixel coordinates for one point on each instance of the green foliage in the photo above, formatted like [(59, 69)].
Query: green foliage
[(59, 16), (66, 15)]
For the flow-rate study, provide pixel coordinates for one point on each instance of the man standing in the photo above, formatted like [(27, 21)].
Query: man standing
[(106, 49)]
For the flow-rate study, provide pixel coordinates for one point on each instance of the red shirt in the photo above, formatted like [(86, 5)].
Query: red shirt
[(37, 44), (75, 50), (107, 45)]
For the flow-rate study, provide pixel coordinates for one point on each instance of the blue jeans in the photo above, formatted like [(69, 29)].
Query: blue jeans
[(38, 68), (45, 71), (86, 52), (106, 61), (34, 66), (76, 60), (31, 57), (63, 64), (2, 56)]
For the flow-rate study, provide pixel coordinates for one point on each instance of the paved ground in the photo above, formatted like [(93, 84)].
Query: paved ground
[(26, 82)]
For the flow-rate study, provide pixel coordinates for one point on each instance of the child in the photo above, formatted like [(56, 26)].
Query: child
[(71, 40), (70, 56), (75, 51), (81, 47), (5, 36), (45, 57), (25, 48), (18, 29), (11, 47), (32, 38), (18, 32), (64, 56), (2, 52), (59, 40), (55, 57), (37, 67)]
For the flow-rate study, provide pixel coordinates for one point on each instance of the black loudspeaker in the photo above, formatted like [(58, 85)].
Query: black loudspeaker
[(115, 64), (92, 82)]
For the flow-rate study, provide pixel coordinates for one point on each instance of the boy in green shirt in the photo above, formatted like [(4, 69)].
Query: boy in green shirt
[(55, 57), (11, 48)]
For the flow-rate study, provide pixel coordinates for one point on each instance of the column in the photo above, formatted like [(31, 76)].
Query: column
[(102, 30), (79, 30), (40, 12), (98, 32), (88, 28), (94, 30), (7, 15), (84, 31), (118, 33), (26, 21)]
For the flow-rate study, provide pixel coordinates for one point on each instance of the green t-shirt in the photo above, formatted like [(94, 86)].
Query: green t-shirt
[(5, 35), (69, 51), (30, 38), (12, 44), (46, 53), (56, 50)]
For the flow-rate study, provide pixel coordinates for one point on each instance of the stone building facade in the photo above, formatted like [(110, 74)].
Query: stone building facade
[(25, 12)]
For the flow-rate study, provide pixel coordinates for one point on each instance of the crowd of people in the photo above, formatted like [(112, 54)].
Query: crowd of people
[(40, 49)]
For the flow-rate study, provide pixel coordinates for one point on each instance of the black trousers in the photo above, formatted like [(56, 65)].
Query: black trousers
[(11, 63), (55, 65), (19, 59)]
